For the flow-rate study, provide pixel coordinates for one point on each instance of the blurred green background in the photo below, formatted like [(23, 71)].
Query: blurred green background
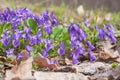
[(96, 11)]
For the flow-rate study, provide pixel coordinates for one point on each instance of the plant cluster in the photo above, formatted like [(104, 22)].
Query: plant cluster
[(21, 29)]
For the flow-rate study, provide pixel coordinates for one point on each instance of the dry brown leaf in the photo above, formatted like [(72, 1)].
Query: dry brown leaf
[(25, 55), (108, 56), (42, 62), (14, 62), (107, 53), (16, 78), (22, 71), (2, 59), (103, 56)]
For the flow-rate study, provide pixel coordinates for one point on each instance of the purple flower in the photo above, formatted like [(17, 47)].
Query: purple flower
[(45, 16), (106, 31), (74, 36), (9, 51), (101, 33), (74, 43), (39, 36), (91, 47), (74, 58), (44, 53), (51, 61), (110, 33), (5, 41), (19, 55), (26, 34), (17, 35), (28, 48), (75, 61), (112, 38), (48, 47), (5, 34), (16, 43), (76, 32), (83, 35), (87, 24), (47, 41), (73, 28), (48, 44), (54, 19), (47, 28), (61, 50), (26, 29), (5, 37), (92, 58), (78, 50), (33, 40), (23, 13)]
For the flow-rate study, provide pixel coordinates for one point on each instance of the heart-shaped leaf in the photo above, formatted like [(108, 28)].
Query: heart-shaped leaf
[(31, 23)]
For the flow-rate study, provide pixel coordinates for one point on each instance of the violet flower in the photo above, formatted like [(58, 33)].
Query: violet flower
[(45, 15), (39, 36), (101, 33), (61, 50), (19, 55), (48, 44), (5, 37), (54, 19), (92, 58), (90, 46), (28, 48), (110, 33), (33, 40), (26, 34), (5, 41), (83, 35), (87, 24), (44, 53), (47, 28), (15, 43), (74, 43), (51, 61), (17, 35), (79, 50), (76, 32), (74, 58), (9, 51)]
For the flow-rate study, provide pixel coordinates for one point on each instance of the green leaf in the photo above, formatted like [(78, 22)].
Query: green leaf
[(1, 28), (56, 31), (31, 23), (33, 52), (114, 64), (60, 34), (5, 26)]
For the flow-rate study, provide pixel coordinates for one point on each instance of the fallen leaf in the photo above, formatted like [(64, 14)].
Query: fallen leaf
[(2, 59), (42, 62), (22, 71), (107, 53), (14, 62), (25, 55), (16, 78)]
